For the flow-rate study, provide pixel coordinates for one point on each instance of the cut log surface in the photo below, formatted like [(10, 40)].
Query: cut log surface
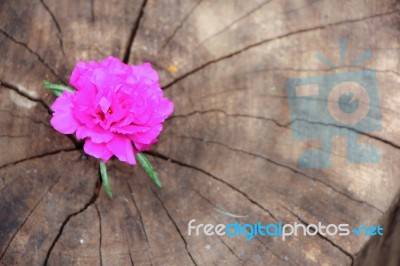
[(227, 154)]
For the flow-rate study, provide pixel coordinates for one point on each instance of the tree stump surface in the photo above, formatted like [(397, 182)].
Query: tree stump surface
[(227, 154)]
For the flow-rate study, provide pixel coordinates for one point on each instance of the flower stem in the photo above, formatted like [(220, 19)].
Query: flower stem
[(104, 178), (148, 168), (57, 89)]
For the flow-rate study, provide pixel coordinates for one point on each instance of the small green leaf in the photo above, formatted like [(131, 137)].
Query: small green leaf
[(148, 168), (104, 177), (57, 89)]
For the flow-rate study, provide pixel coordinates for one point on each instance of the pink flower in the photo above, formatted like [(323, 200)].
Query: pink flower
[(117, 108)]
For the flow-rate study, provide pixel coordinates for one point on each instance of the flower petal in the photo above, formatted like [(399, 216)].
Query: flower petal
[(164, 109), (129, 129), (122, 148), (63, 119), (148, 136), (98, 150), (80, 77), (97, 135), (104, 104), (145, 147)]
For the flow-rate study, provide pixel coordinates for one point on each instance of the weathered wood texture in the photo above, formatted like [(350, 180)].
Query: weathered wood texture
[(228, 147)]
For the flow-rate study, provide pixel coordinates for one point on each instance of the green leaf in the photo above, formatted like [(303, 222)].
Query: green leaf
[(148, 168), (104, 177), (57, 89)]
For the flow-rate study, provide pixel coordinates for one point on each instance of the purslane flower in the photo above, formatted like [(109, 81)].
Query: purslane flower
[(114, 106), (117, 109)]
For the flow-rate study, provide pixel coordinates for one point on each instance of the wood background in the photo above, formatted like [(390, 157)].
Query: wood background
[(226, 154)]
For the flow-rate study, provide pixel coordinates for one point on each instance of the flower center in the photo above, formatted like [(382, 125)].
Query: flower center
[(103, 115)]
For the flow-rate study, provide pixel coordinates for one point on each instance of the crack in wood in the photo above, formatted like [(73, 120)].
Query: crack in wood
[(38, 156), (330, 69), (53, 17), (284, 259), (385, 141), (166, 158), (258, 7), (279, 37), (27, 117), (77, 144), (175, 225), (139, 213), (321, 236), (256, 237), (231, 251), (271, 251), (388, 245), (388, 142), (14, 136), (130, 257), (33, 53), (132, 36), (65, 222), (141, 221), (302, 7), (15, 88), (100, 233), (227, 114), (180, 25), (212, 204), (218, 209), (90, 202), (92, 14), (289, 168), (27, 217)]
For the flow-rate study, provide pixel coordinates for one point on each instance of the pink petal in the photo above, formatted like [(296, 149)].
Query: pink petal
[(84, 118), (130, 129), (86, 96), (109, 76), (146, 71), (98, 150), (80, 77), (164, 109), (148, 136), (122, 148), (104, 104), (144, 147), (97, 135), (63, 119)]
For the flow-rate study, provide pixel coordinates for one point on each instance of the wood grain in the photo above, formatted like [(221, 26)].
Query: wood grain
[(227, 154)]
